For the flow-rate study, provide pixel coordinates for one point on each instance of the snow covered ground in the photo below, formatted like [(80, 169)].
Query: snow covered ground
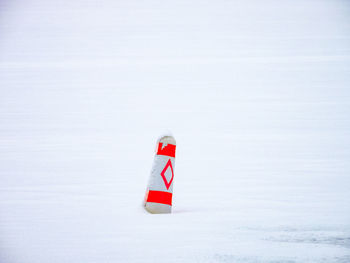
[(256, 93)]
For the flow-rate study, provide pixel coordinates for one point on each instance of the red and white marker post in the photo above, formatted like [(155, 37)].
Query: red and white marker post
[(159, 192)]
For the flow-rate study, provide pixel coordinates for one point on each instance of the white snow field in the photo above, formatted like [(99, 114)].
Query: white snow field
[(256, 93)]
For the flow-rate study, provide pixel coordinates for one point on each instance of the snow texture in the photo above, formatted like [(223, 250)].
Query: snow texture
[(256, 92)]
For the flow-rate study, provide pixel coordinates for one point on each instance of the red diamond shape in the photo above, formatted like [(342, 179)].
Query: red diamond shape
[(167, 184)]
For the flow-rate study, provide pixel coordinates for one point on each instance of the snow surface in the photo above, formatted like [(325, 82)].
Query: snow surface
[(255, 92)]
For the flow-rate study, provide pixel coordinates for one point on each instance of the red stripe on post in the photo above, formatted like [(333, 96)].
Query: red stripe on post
[(159, 197), (168, 150)]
